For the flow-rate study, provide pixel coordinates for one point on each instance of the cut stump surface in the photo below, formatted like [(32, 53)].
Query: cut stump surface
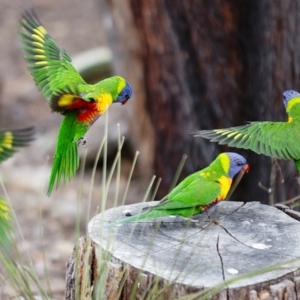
[(228, 241)]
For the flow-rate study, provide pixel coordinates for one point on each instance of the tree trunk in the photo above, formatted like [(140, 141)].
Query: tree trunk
[(210, 64)]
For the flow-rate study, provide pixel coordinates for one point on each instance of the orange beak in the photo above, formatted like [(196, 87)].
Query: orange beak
[(246, 168)]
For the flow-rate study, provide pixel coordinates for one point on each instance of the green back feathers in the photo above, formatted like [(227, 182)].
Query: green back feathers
[(113, 86), (293, 108), (10, 140), (219, 167)]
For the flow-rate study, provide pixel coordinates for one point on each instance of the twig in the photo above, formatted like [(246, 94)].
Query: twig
[(292, 200), (268, 190), (236, 182)]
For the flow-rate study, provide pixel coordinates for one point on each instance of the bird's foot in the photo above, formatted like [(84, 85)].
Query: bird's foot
[(82, 141), (189, 220)]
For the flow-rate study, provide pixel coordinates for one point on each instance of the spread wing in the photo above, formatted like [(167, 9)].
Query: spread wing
[(50, 66), (274, 139), (10, 140)]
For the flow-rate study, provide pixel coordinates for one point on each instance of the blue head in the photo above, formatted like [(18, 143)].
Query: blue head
[(236, 164), (124, 94), (288, 95)]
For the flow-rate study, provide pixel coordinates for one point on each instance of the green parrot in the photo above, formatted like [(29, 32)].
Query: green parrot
[(80, 103), (197, 192), (274, 139), (9, 140)]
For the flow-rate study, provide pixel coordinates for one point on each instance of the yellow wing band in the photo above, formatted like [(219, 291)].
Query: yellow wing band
[(66, 100), (7, 140)]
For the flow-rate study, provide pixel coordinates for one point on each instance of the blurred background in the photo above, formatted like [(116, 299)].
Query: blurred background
[(192, 64)]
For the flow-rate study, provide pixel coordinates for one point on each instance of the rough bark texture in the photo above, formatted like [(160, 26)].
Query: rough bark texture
[(80, 271), (211, 64), (234, 251)]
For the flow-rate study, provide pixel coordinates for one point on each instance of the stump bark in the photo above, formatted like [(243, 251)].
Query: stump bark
[(232, 251)]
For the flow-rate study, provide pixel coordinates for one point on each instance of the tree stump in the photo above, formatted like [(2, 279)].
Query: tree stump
[(232, 251)]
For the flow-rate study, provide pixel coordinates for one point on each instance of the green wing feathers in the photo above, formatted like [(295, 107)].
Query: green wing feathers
[(10, 140), (275, 139), (194, 190), (50, 66)]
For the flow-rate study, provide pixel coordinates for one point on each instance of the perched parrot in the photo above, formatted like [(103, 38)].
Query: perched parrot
[(275, 139), (9, 140), (67, 93), (197, 192)]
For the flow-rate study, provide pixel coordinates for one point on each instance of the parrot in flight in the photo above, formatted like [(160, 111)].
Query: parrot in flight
[(9, 141), (80, 103), (274, 139), (197, 192)]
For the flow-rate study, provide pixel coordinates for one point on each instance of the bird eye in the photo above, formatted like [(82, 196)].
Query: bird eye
[(91, 100), (127, 96), (284, 98), (239, 163)]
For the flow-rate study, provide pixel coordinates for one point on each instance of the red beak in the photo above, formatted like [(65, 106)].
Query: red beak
[(124, 101), (246, 168)]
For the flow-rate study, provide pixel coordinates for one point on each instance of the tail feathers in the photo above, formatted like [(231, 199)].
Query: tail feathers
[(65, 165), (152, 214)]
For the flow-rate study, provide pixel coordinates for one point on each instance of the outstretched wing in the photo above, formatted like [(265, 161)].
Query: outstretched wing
[(10, 140), (50, 66), (274, 139)]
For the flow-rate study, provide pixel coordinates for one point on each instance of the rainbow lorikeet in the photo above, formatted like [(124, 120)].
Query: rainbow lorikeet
[(275, 139), (80, 103), (9, 141), (197, 192)]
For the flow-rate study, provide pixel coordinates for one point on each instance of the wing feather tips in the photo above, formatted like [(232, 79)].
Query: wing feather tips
[(30, 20), (204, 133)]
